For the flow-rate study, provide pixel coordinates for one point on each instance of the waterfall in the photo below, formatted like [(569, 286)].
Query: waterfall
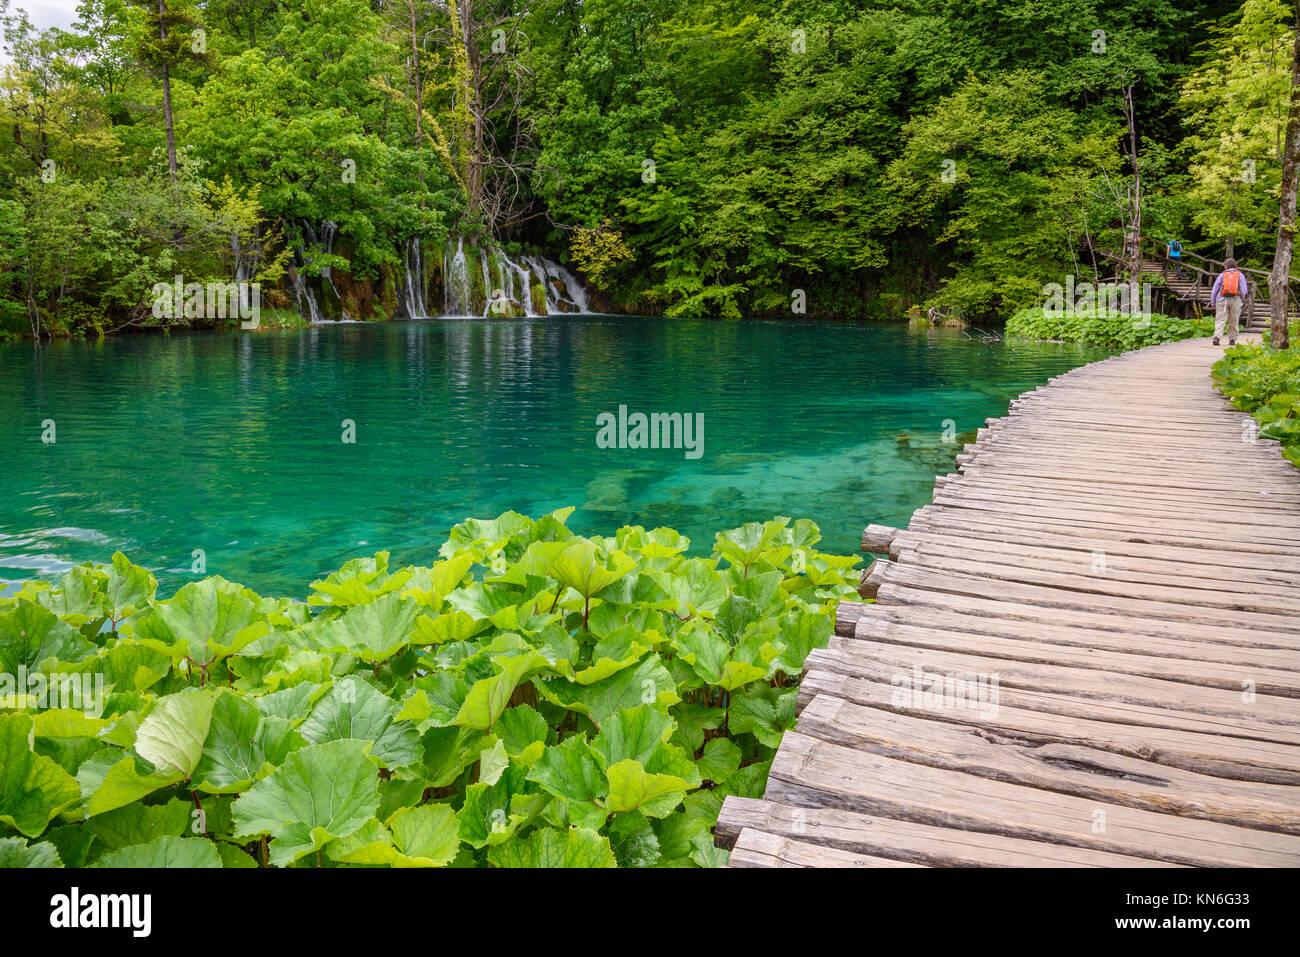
[(413, 288), (511, 281), (577, 295), (563, 291), (330, 227), (487, 278), (304, 297), (455, 281)]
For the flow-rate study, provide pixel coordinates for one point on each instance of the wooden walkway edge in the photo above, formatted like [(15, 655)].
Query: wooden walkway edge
[(1084, 653)]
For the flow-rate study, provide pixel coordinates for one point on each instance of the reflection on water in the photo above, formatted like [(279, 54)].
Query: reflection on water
[(233, 444)]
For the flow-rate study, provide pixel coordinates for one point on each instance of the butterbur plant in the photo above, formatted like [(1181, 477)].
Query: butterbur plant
[(1266, 383), (532, 698)]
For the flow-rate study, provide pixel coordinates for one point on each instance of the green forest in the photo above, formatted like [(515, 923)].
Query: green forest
[(714, 158)]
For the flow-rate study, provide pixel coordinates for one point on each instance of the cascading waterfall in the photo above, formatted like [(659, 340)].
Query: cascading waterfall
[(303, 297), (330, 228), (413, 289), (507, 285), (487, 279), (563, 291), (455, 281)]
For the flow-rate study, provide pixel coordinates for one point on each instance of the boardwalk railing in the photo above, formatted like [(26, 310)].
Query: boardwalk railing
[(1203, 271)]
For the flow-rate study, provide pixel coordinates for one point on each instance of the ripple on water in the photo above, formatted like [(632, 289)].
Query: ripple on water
[(234, 444)]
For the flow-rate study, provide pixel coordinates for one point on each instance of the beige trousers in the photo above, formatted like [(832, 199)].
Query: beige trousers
[(1227, 309)]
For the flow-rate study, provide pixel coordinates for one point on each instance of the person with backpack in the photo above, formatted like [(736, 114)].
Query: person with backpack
[(1175, 252), (1229, 292)]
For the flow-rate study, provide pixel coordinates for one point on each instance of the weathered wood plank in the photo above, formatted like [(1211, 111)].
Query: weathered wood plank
[(761, 849), (1178, 739), (1069, 769), (905, 841), (815, 773)]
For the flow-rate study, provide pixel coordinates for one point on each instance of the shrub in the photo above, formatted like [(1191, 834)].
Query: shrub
[(1266, 383), (1114, 330), (534, 697)]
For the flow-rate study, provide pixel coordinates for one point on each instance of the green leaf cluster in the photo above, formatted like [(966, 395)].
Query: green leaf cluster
[(534, 698), (1116, 330), (1266, 383)]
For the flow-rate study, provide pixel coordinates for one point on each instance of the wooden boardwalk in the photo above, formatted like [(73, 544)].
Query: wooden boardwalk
[(1086, 652)]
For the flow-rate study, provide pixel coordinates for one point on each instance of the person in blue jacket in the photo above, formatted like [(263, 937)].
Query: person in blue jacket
[(1176, 256)]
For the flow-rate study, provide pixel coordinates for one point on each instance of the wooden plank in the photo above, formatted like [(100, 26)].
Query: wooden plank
[(904, 841), (761, 849), (1079, 578), (815, 773), (881, 621), (1068, 769), (1266, 716), (1177, 739), (1017, 611), (1228, 675), (1241, 575), (913, 576)]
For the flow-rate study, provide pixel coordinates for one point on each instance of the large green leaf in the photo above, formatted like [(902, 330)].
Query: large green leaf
[(355, 709), (647, 683), (109, 781), (373, 632), (30, 635), (128, 587), (165, 852), (203, 621), (549, 847), (632, 734), (571, 771), (141, 823), (242, 746), (15, 852), (632, 788), (488, 697), (172, 734), (582, 567), (33, 788), (425, 836), (320, 793)]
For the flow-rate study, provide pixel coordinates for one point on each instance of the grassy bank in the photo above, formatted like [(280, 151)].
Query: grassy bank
[(533, 698), (1113, 330), (1266, 383)]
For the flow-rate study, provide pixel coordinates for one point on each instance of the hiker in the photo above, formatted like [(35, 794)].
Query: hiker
[(1229, 292), (1175, 253)]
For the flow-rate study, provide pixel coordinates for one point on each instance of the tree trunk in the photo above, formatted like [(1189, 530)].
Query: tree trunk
[(1279, 281), (1135, 214), (167, 94), (415, 80)]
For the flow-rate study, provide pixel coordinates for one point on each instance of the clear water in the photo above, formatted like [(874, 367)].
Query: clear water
[(233, 443)]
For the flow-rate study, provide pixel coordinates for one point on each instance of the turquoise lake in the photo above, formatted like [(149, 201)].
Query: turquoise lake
[(233, 443)]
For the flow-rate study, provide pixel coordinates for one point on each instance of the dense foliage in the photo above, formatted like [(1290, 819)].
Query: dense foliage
[(716, 157), (533, 698), (1266, 383), (1119, 330)]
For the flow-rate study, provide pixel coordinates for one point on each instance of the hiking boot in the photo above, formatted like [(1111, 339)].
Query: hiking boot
[(1232, 342), (1215, 342)]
